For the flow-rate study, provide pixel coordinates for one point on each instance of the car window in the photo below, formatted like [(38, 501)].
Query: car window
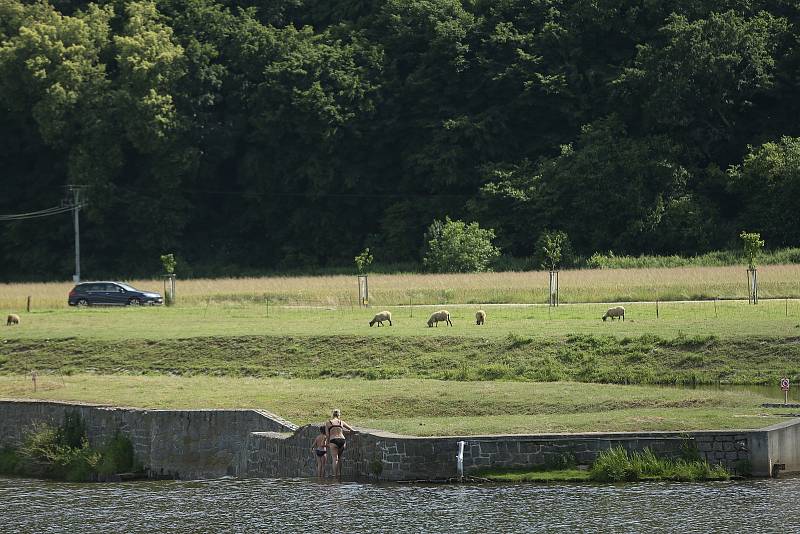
[(113, 288), (93, 288), (128, 288)]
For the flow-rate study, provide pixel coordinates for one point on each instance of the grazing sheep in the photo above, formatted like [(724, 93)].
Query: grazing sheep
[(441, 315), (480, 317), (13, 318), (380, 317), (615, 312)]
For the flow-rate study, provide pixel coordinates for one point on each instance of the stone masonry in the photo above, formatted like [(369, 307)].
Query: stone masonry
[(190, 444)]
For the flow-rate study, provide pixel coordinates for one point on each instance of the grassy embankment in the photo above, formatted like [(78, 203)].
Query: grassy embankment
[(422, 407), (597, 285), (326, 352), (741, 344)]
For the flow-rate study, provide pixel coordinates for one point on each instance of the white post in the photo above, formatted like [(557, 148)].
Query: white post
[(460, 460)]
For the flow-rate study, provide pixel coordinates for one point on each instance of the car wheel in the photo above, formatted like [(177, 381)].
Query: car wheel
[(82, 302), (134, 302)]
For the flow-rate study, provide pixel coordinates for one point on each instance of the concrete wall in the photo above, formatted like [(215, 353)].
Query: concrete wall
[(379, 455), (185, 444), (191, 444)]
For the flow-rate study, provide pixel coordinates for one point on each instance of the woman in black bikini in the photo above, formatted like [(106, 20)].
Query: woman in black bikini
[(335, 431)]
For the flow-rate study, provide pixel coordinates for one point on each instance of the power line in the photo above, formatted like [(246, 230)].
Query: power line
[(36, 214)]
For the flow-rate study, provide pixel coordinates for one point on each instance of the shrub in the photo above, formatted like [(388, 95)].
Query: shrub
[(73, 431), (117, 456), (455, 246), (43, 453), (64, 453)]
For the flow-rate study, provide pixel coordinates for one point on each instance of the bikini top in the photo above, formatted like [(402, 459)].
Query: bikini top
[(330, 422)]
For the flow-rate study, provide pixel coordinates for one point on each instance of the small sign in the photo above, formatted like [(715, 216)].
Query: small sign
[(784, 384)]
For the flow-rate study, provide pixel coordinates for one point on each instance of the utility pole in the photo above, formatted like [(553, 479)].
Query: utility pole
[(74, 201)]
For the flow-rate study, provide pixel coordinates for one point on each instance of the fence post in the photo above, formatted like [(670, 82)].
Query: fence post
[(29, 304)]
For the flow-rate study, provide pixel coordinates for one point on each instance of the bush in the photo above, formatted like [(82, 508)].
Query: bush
[(117, 456), (64, 453), (458, 247)]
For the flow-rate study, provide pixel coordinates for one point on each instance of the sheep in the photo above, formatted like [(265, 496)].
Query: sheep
[(615, 312), (380, 317), (13, 318), (480, 317), (441, 315)]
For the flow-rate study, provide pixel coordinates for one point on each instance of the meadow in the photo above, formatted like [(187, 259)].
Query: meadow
[(689, 343), (724, 319), (531, 368), (340, 291), (423, 407)]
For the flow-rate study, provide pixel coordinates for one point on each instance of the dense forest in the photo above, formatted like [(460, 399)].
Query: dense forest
[(255, 135)]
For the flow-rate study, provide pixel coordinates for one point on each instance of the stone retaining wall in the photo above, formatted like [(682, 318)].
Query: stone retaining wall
[(185, 444), (212, 443), (379, 455)]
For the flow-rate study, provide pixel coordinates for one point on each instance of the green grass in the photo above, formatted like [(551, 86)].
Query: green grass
[(525, 475), (422, 407), (465, 379), (725, 319), (618, 465), (717, 258), (644, 359)]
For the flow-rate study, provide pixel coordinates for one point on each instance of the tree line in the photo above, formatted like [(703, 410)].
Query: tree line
[(247, 136)]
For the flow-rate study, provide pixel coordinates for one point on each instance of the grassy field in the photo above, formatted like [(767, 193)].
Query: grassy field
[(724, 319), (687, 344), (422, 407), (518, 373), (586, 285)]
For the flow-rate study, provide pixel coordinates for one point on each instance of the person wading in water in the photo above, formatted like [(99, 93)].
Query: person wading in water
[(320, 449), (334, 429)]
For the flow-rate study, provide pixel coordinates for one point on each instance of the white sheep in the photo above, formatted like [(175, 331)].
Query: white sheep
[(380, 317), (13, 318), (480, 317), (441, 315), (615, 312)]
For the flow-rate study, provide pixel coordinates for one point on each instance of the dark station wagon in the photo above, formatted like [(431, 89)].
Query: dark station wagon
[(110, 294)]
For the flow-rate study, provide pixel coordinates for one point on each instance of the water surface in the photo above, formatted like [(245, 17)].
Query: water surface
[(232, 505)]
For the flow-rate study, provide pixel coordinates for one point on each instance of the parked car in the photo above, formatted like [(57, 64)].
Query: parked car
[(110, 294)]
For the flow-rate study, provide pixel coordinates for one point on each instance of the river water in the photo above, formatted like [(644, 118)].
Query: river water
[(254, 505)]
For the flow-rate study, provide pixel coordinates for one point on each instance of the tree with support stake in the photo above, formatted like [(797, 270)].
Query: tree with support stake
[(169, 263), (553, 245), (753, 244), (363, 261)]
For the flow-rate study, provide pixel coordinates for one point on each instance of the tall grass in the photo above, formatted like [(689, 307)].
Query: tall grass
[(718, 258), (598, 285), (618, 465)]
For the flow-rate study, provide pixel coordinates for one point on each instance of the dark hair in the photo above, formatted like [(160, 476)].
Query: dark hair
[(322, 430)]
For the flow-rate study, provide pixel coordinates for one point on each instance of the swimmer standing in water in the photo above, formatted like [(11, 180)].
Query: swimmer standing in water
[(334, 429), (320, 449)]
